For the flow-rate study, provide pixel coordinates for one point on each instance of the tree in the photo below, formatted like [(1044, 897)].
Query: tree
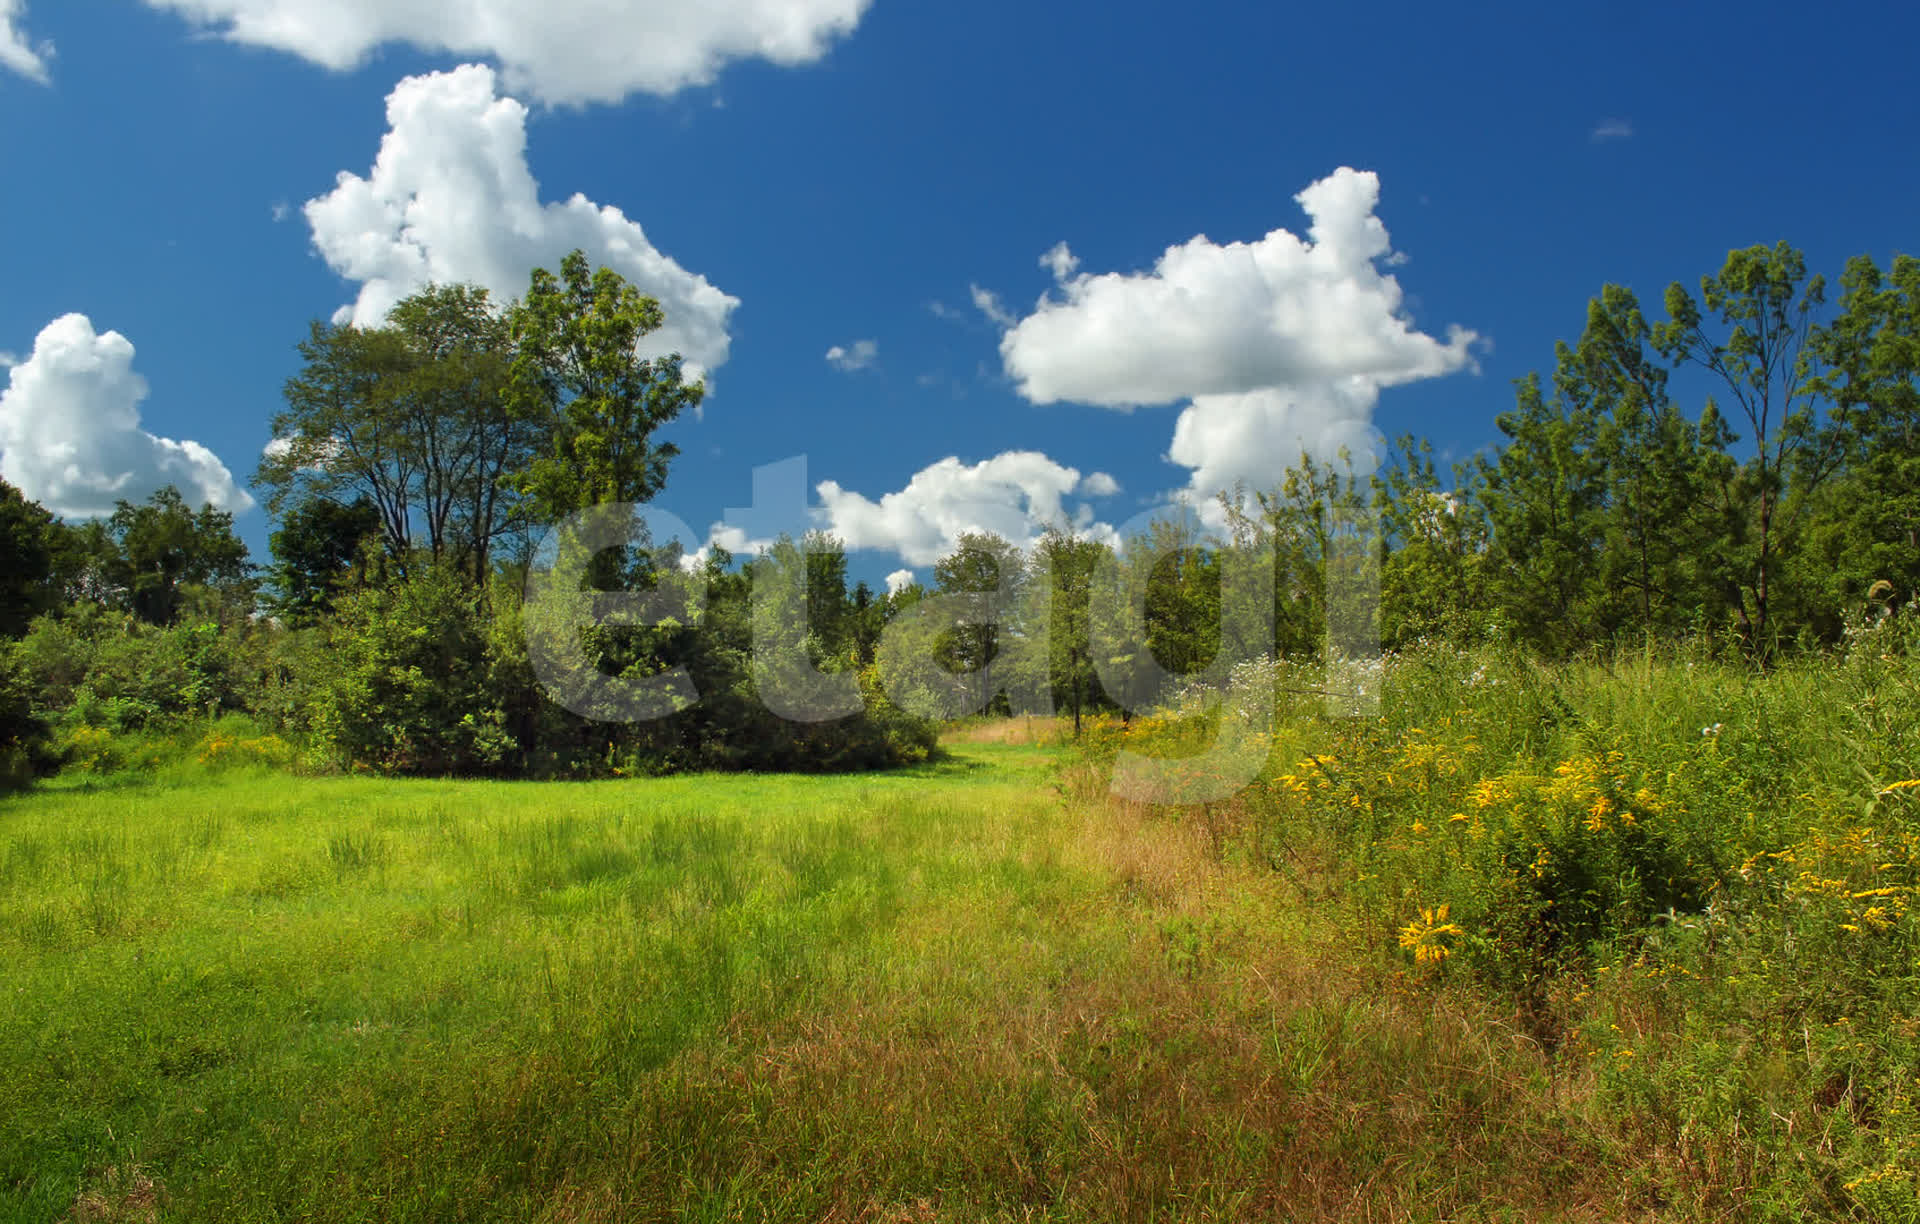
[(1545, 497), (166, 550), (341, 436), (84, 557), (26, 560), (1755, 336), (1870, 529), (1433, 543), (1312, 521), (990, 569), (1064, 565), (462, 425), (412, 417), (1657, 521), (578, 375), (319, 546)]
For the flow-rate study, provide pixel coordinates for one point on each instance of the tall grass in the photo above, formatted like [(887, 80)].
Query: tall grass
[(1693, 881)]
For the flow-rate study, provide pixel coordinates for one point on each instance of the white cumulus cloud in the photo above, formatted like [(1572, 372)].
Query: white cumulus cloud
[(1274, 347), (899, 580), (70, 435), (1211, 319), (1250, 439), (450, 198), (1099, 484), (559, 51), (1014, 495), (856, 356), (29, 59)]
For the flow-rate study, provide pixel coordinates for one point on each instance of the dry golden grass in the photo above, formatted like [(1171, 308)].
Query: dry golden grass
[(120, 1195)]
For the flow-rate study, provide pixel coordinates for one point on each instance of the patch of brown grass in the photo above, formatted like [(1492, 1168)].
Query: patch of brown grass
[(120, 1196), (1020, 729)]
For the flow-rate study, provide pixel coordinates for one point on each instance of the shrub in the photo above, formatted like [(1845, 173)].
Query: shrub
[(398, 680)]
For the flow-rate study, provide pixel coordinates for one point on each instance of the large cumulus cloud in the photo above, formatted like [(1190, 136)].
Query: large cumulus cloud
[(1275, 346), (70, 435), (451, 198), (560, 51)]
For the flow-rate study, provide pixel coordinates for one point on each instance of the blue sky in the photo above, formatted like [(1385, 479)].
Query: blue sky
[(881, 172)]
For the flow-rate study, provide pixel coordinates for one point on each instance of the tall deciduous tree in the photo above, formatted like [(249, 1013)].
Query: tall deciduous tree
[(1752, 329), (578, 374), (413, 417)]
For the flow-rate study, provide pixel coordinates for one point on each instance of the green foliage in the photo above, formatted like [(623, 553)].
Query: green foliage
[(157, 561), (26, 560), (108, 669), (576, 371), (399, 681), (25, 739), (320, 547)]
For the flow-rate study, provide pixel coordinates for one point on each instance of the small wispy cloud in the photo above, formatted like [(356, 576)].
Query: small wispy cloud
[(856, 356), (988, 303), (1060, 261), (1611, 129), (27, 58), (282, 210), (943, 311)]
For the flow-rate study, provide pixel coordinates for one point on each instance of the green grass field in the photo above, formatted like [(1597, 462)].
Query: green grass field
[(1629, 939), (960, 992)]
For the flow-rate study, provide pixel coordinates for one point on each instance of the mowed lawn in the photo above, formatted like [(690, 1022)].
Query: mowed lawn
[(974, 990)]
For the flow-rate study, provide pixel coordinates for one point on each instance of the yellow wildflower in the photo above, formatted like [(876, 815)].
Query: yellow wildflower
[(1425, 938)]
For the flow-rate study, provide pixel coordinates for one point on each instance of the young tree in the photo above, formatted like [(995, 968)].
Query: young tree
[(1545, 498), (1433, 543), (1063, 566)]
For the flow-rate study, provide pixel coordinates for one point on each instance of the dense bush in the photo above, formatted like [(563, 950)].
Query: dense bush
[(103, 668), (398, 680), (25, 741)]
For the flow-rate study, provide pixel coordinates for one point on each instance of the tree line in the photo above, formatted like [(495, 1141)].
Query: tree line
[(1745, 469)]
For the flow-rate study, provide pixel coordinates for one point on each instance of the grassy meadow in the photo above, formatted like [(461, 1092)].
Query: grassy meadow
[(1606, 941)]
